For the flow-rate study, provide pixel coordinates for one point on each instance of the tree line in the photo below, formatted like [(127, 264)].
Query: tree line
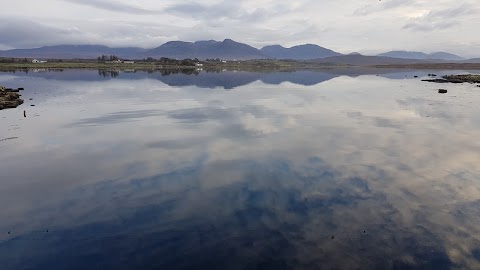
[(104, 58)]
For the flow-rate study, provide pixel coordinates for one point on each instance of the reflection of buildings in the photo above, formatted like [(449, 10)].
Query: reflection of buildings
[(109, 73)]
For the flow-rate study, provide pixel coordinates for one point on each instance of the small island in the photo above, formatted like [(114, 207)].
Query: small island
[(9, 98)]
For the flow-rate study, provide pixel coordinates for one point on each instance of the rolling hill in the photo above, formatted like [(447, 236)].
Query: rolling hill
[(72, 51)]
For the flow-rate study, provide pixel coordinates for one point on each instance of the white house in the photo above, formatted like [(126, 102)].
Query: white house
[(38, 61), (128, 62)]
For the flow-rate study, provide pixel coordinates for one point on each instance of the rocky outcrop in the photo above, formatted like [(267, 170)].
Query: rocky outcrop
[(467, 78), (9, 98)]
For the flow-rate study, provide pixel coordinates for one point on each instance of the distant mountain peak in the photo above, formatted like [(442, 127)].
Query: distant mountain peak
[(298, 52), (226, 49), (307, 45)]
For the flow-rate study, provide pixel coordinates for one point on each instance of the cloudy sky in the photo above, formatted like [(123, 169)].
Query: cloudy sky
[(366, 26)]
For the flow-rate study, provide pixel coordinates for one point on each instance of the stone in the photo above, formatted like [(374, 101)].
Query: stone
[(9, 98), (442, 91)]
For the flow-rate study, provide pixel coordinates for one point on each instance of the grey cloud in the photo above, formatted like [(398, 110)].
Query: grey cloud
[(224, 10), (111, 33), (15, 33), (114, 6), (381, 6), (422, 24), (441, 19)]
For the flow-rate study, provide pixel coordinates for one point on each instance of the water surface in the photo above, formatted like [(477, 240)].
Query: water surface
[(336, 169)]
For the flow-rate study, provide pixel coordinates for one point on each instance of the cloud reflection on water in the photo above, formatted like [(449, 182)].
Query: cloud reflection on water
[(262, 177)]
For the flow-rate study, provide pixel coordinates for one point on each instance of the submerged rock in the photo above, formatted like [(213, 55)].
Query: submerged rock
[(9, 98), (442, 91)]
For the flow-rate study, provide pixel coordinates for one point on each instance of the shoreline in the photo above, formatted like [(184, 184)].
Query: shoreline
[(250, 65), (203, 65)]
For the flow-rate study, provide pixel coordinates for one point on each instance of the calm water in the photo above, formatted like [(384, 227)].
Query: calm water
[(239, 170)]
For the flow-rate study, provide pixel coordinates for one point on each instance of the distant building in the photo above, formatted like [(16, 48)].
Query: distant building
[(35, 61), (128, 62), (198, 65)]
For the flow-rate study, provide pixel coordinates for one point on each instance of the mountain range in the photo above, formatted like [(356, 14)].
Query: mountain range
[(232, 50), (422, 56)]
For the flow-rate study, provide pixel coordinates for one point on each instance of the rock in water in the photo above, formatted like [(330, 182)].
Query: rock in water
[(442, 91), (9, 99)]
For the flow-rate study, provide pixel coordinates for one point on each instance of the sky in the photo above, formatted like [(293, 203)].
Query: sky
[(365, 26)]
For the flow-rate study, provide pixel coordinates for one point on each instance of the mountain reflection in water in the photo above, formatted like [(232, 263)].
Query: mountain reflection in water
[(291, 170), (227, 79)]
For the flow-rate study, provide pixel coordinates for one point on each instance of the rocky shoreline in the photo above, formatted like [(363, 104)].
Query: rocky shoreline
[(467, 78), (9, 98)]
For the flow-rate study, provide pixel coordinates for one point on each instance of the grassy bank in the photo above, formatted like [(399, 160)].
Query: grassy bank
[(252, 65), (249, 65)]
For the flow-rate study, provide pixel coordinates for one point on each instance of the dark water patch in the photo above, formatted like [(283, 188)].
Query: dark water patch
[(261, 222), (7, 139), (115, 118)]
